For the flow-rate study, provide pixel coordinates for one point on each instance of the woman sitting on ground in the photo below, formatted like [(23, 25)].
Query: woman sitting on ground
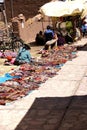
[(61, 39), (23, 56), (40, 40)]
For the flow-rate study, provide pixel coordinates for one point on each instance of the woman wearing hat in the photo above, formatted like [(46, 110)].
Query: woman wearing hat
[(24, 55)]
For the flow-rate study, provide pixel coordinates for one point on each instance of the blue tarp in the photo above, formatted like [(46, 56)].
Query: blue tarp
[(6, 77)]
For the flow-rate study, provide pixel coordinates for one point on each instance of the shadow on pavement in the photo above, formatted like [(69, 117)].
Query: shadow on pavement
[(56, 113), (83, 48)]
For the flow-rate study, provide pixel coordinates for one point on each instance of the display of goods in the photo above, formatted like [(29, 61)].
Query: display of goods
[(33, 74), (9, 53)]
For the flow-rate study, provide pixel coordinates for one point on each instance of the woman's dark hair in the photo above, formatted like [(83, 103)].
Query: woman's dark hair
[(40, 32), (48, 27)]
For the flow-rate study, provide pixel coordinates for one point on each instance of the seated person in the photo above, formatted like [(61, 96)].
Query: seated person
[(61, 40), (49, 34), (68, 39), (23, 56), (40, 38)]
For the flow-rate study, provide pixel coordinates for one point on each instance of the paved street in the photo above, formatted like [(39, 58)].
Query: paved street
[(59, 104)]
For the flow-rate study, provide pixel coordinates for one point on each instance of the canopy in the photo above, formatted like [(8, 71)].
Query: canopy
[(61, 8), (84, 12)]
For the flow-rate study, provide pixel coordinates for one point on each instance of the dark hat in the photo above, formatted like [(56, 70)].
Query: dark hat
[(27, 46)]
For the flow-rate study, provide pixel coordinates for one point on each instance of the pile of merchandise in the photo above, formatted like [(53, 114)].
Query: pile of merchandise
[(58, 55), (32, 75)]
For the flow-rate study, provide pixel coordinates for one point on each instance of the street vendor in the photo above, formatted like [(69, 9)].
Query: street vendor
[(49, 34), (49, 37), (23, 56)]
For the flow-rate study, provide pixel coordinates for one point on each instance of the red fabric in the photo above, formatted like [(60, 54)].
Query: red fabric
[(9, 58)]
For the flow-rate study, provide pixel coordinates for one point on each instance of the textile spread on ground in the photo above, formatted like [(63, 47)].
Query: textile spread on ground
[(30, 76)]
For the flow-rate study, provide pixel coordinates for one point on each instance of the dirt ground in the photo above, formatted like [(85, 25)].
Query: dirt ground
[(34, 50)]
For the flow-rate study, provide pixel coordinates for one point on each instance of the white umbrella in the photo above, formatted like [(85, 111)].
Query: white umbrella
[(60, 8), (53, 8)]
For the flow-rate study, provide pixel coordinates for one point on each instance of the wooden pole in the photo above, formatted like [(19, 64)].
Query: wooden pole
[(12, 11), (5, 16)]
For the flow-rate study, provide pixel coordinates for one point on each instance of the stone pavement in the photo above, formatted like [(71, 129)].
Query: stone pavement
[(59, 104)]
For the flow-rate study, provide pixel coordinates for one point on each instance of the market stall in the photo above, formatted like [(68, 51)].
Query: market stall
[(28, 77), (57, 10)]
